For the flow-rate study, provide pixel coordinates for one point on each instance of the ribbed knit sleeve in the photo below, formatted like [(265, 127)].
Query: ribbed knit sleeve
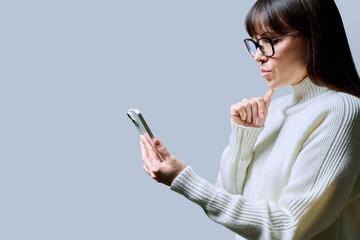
[(322, 181), (236, 158)]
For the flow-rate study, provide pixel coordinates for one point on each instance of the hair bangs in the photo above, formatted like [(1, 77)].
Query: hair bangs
[(266, 17)]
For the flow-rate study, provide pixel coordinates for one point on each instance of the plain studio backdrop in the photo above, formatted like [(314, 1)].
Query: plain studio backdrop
[(70, 164)]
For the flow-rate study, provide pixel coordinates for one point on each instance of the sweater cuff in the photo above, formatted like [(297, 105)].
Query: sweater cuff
[(193, 187), (245, 137)]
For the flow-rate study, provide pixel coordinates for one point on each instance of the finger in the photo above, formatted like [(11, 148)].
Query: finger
[(161, 149), (261, 108), (242, 113), (234, 110), (146, 162), (237, 110), (146, 169), (268, 96), (145, 156), (145, 159), (254, 110), (151, 154), (248, 108), (143, 151), (151, 174)]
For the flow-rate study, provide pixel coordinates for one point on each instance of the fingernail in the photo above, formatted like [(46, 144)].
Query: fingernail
[(262, 115)]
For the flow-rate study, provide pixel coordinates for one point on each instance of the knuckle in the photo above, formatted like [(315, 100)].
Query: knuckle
[(155, 170), (242, 106), (238, 107)]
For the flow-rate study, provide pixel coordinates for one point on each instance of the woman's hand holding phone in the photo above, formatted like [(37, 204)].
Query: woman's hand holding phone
[(251, 112), (163, 169), (159, 163)]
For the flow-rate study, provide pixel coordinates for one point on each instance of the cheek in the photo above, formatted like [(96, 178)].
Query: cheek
[(293, 62), (299, 54)]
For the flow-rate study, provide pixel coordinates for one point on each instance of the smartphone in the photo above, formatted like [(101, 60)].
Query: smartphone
[(140, 124)]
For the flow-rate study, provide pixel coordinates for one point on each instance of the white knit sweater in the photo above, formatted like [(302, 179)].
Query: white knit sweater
[(296, 178)]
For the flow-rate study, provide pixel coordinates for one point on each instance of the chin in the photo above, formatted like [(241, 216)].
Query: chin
[(275, 83), (272, 84)]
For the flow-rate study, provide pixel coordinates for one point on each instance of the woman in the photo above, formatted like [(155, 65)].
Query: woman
[(291, 170)]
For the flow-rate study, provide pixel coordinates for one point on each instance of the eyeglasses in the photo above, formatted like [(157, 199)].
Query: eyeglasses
[(265, 44)]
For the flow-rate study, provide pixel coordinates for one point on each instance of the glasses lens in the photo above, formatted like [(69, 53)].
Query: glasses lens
[(266, 46), (250, 46)]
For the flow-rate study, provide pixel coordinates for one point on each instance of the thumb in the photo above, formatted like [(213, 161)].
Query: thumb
[(161, 149), (268, 96)]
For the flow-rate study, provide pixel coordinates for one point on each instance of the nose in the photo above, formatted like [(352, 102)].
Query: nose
[(259, 56)]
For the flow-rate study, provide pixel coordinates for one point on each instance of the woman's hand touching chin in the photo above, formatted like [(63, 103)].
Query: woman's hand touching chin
[(251, 112)]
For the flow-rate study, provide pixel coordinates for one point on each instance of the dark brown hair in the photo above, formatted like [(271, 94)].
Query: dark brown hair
[(330, 62)]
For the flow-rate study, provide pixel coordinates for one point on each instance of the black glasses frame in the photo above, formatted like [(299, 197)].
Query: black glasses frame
[(257, 45)]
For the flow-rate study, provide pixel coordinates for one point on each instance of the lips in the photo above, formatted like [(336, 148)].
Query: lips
[(265, 72)]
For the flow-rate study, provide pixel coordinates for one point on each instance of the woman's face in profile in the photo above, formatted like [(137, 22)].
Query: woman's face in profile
[(288, 65)]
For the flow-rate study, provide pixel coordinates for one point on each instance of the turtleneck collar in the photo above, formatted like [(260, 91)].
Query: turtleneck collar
[(306, 90), (303, 93)]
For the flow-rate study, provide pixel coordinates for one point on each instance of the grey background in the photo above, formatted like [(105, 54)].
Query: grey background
[(70, 165)]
